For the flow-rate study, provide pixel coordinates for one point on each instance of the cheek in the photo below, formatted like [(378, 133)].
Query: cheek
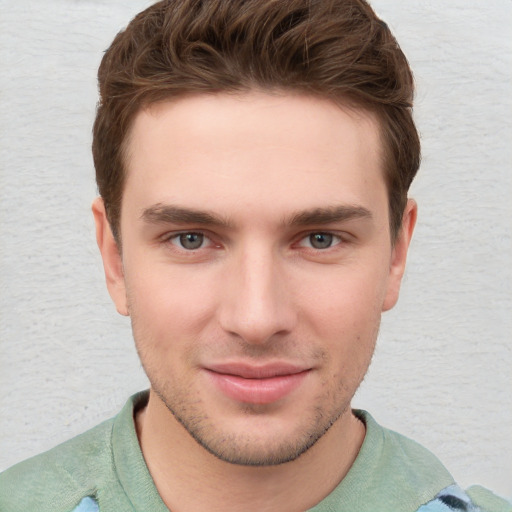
[(345, 313), (168, 302), (346, 298)]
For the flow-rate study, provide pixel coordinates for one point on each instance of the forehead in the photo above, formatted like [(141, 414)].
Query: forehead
[(270, 150)]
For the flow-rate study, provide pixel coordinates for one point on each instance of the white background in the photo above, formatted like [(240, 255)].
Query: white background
[(442, 370)]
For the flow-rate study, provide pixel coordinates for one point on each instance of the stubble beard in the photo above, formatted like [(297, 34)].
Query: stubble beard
[(242, 448), (246, 448)]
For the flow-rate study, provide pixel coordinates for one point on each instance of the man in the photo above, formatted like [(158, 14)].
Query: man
[(253, 160)]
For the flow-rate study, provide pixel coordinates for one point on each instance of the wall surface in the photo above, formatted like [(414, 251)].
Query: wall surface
[(442, 370)]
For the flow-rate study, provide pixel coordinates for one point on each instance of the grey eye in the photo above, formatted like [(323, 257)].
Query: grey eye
[(191, 241), (321, 240)]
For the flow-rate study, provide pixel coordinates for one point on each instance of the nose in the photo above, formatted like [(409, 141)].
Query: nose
[(257, 300)]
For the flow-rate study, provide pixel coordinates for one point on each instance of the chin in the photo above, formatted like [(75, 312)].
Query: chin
[(258, 438)]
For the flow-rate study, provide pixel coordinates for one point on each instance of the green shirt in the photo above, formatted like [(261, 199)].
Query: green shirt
[(103, 469)]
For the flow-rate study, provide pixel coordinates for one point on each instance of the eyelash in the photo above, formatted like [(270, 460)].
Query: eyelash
[(336, 240), (177, 236)]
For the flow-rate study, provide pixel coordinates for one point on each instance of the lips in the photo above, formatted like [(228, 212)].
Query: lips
[(257, 384)]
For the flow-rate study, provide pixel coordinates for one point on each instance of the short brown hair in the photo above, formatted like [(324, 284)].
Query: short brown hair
[(338, 49)]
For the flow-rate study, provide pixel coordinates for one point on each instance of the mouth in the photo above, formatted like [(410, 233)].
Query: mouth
[(253, 384)]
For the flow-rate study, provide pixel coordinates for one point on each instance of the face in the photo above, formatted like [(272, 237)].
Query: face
[(256, 261)]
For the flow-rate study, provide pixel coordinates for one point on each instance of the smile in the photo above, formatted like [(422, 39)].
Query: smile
[(257, 385)]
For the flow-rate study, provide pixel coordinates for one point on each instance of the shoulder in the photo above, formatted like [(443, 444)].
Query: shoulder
[(419, 467), (390, 474), (475, 499), (419, 477), (405, 461), (487, 500), (57, 480)]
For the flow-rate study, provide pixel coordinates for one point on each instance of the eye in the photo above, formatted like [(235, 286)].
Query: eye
[(320, 240), (189, 241)]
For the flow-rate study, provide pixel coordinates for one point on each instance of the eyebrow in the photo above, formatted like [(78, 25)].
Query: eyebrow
[(330, 215), (169, 214)]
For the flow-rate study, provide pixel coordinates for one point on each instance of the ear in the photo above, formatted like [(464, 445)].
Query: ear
[(111, 255), (399, 254)]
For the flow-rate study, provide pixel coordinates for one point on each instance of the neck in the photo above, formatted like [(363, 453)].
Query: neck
[(189, 478)]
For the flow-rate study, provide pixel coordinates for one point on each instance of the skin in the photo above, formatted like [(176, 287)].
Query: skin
[(255, 233)]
